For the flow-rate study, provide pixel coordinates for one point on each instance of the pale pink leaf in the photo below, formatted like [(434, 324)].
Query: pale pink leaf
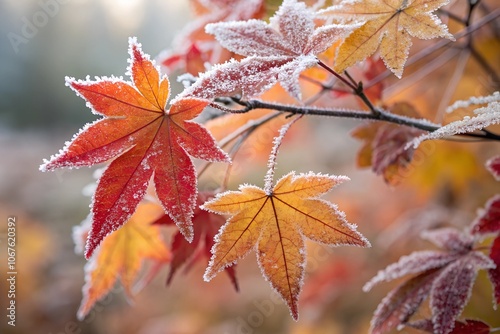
[(402, 302), (450, 239), (249, 78), (416, 262), (452, 289), (467, 326), (295, 22), (276, 52), (249, 38)]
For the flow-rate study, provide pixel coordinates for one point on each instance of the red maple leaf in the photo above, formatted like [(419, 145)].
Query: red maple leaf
[(488, 220), (493, 166), (145, 140), (468, 326), (494, 273), (446, 276), (275, 52), (206, 226)]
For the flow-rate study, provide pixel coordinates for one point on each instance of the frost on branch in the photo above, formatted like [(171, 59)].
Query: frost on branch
[(485, 116), (446, 276), (275, 52), (474, 100)]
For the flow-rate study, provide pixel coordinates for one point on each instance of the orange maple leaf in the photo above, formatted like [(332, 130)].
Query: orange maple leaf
[(121, 255), (388, 24), (275, 224), (145, 139)]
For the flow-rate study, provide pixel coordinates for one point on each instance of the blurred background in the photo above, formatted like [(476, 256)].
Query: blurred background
[(38, 113)]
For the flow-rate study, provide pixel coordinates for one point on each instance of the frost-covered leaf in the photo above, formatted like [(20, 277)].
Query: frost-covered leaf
[(402, 302), (493, 166), (121, 255), (275, 224), (450, 239), (193, 47), (452, 289), (276, 52), (452, 275), (414, 263), (468, 326), (387, 26), (385, 144), (485, 116), (494, 273), (488, 220), (206, 226), (145, 140)]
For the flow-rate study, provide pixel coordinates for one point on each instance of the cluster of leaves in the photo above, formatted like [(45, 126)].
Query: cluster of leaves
[(148, 142), (445, 276)]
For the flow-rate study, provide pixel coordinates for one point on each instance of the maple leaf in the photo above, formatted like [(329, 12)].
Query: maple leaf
[(446, 276), (468, 326), (385, 144), (193, 47), (494, 273), (485, 116), (275, 52), (144, 139), (206, 226), (388, 26), (121, 255), (275, 224), (493, 166), (402, 302), (488, 220)]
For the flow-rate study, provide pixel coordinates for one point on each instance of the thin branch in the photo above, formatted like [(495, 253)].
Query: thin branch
[(382, 115), (357, 89), (338, 76)]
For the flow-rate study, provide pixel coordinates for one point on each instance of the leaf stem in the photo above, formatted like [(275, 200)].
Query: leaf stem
[(356, 87)]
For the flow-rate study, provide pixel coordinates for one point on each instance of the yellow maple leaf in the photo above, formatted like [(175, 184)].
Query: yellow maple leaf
[(275, 224), (121, 255), (388, 24)]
